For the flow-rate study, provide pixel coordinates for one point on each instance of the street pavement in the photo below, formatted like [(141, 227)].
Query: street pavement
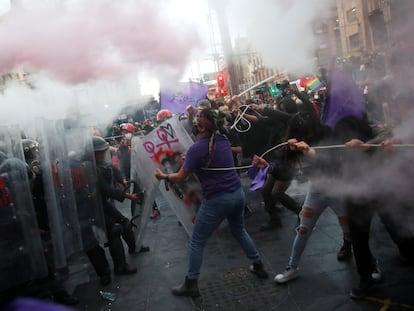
[(226, 282)]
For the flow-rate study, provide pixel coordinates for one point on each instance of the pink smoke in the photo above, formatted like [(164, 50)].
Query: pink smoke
[(99, 40)]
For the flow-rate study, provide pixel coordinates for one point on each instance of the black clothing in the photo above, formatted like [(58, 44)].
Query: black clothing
[(124, 159), (117, 225)]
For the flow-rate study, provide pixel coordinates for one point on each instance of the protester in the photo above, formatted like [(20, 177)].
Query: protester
[(124, 150), (277, 182), (223, 197)]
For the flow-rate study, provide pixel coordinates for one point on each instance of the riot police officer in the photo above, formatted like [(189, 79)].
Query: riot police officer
[(109, 177), (54, 280)]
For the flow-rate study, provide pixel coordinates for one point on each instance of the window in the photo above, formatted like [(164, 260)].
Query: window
[(355, 41), (351, 16)]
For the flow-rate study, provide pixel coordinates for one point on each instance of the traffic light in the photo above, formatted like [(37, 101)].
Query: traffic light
[(274, 90), (220, 80), (222, 92), (221, 85)]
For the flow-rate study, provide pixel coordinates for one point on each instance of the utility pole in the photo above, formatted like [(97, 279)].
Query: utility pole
[(220, 10)]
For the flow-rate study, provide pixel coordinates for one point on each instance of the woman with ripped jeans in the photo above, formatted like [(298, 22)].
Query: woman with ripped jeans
[(323, 172)]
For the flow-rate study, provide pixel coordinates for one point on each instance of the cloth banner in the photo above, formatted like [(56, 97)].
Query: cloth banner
[(345, 99), (176, 99)]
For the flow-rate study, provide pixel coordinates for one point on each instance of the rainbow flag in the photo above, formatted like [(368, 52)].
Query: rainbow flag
[(314, 84)]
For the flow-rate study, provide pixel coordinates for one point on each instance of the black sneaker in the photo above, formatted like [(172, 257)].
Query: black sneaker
[(271, 225), (64, 298), (126, 269), (345, 252), (363, 288), (105, 279), (258, 269)]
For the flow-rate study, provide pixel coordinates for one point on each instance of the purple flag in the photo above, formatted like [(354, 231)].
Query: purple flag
[(345, 99), (177, 98), (259, 179)]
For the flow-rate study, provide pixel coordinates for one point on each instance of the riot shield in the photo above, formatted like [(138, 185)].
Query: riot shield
[(52, 193), (21, 250), (84, 180), (164, 147), (60, 185), (10, 144), (141, 210)]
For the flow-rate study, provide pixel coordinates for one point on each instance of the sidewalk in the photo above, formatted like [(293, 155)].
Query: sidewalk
[(227, 284)]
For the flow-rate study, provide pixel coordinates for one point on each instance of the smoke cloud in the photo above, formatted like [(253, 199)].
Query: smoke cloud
[(88, 56), (280, 30), (94, 39)]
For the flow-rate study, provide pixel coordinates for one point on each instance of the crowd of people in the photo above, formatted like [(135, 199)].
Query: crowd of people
[(283, 138)]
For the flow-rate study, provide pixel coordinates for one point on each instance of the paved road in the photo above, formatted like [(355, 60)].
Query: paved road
[(226, 284)]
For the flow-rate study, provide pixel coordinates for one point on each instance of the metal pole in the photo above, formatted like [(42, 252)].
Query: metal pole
[(227, 48)]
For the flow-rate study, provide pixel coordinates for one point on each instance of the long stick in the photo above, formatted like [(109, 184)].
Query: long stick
[(261, 82)]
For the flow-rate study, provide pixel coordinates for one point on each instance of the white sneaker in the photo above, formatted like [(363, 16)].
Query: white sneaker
[(289, 274), (376, 273)]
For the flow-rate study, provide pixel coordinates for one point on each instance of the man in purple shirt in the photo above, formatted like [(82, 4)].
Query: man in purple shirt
[(210, 158)]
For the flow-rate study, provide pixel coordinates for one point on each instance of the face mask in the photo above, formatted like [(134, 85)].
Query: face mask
[(128, 136)]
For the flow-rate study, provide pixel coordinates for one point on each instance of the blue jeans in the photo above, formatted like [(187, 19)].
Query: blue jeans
[(316, 202), (212, 212)]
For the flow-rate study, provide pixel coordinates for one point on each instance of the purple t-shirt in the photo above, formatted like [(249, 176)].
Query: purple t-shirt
[(213, 182)]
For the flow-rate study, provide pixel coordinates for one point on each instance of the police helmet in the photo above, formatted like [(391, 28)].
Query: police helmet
[(99, 144), (30, 148)]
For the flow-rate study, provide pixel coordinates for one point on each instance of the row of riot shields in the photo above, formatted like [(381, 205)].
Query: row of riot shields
[(21, 251), (74, 212)]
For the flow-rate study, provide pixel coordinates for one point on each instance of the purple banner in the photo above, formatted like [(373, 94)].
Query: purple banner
[(177, 98), (345, 99)]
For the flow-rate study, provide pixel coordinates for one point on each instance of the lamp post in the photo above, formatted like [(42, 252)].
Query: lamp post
[(220, 10)]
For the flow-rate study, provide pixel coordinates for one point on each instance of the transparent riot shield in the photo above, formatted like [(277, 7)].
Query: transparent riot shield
[(84, 180), (59, 234), (21, 251), (56, 165), (141, 210), (164, 147), (10, 142)]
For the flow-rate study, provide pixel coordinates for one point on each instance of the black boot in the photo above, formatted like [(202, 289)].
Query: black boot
[(273, 223), (345, 252), (116, 249), (64, 298), (125, 269), (188, 288), (98, 260)]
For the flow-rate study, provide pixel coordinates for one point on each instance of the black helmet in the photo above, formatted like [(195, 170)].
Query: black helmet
[(99, 144), (30, 149)]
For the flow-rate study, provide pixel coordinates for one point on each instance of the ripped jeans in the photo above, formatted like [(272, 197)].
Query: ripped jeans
[(316, 202)]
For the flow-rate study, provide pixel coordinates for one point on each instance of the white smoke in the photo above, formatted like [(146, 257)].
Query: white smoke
[(281, 30), (89, 44)]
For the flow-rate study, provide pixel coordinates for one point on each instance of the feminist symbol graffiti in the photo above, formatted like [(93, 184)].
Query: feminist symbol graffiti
[(167, 137)]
